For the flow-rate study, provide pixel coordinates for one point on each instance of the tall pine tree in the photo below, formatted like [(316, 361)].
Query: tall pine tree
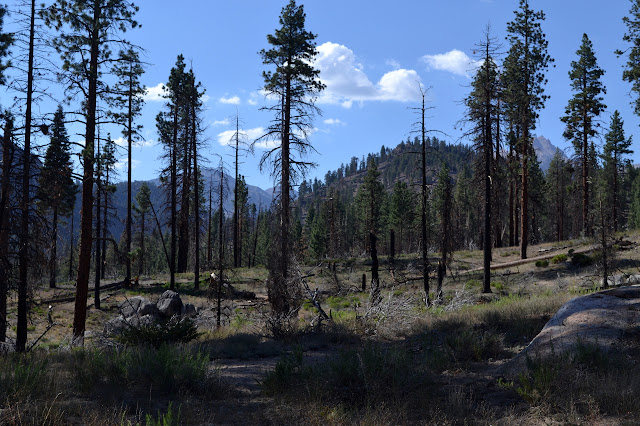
[(56, 189), (295, 84), (581, 112)]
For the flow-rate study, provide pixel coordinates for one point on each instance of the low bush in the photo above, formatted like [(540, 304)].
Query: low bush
[(158, 333), (542, 263), (581, 260), (559, 258), (142, 370)]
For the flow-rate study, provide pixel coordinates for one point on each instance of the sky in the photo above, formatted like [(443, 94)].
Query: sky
[(372, 56)]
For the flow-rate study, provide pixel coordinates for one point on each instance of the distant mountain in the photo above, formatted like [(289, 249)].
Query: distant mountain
[(260, 197), (545, 151)]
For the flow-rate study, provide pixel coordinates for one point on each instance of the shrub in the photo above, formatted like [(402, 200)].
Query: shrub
[(471, 345), (166, 419), (559, 258), (542, 263), (142, 369), (581, 260), (156, 334)]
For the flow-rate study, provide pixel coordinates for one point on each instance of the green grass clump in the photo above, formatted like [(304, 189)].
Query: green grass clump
[(142, 370), (542, 263), (559, 258), (342, 302), (23, 377)]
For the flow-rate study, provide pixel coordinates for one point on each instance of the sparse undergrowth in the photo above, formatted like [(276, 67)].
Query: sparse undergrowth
[(41, 388)]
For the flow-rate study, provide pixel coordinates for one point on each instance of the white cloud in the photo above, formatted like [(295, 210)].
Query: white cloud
[(254, 97), (136, 143), (205, 98), (224, 138), (122, 163), (454, 61), (155, 93), (224, 122), (347, 82), (393, 63), (334, 122), (234, 100)]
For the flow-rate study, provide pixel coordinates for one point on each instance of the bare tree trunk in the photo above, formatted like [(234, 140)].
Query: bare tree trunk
[(23, 251), (5, 194), (174, 201), (54, 249), (209, 229), (105, 193), (71, 241), (141, 262), (196, 207), (98, 256), (236, 225), (586, 228), (423, 173), (84, 257), (127, 276), (220, 252)]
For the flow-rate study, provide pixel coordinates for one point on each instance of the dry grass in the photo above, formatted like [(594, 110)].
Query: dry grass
[(395, 362)]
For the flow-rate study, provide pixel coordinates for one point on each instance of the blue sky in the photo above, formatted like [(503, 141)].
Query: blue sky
[(371, 56)]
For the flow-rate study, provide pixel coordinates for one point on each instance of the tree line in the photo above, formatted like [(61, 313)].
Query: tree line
[(423, 196)]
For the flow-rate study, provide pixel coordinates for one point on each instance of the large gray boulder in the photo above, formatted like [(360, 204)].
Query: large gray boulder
[(130, 306), (604, 319), (189, 310), (169, 304)]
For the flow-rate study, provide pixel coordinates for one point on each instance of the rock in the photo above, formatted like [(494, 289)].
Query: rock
[(131, 305), (189, 310), (603, 319), (147, 308), (115, 325), (169, 304)]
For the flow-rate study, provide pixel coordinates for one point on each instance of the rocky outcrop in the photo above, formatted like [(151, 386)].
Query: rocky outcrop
[(609, 319), (138, 310)]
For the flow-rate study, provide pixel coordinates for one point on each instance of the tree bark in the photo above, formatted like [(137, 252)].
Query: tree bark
[(84, 257)]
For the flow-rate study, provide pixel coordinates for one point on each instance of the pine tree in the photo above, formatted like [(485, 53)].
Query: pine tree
[(557, 179), (90, 28), (615, 148), (524, 80), (402, 212), (295, 84), (128, 100), (483, 110), (632, 36), (581, 112), (143, 200), (369, 200), (443, 206), (56, 189)]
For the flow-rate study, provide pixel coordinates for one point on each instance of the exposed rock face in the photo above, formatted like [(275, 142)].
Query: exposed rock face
[(130, 306), (606, 319), (169, 304), (138, 310)]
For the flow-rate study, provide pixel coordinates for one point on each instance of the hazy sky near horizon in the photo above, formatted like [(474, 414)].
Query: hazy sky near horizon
[(372, 57)]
